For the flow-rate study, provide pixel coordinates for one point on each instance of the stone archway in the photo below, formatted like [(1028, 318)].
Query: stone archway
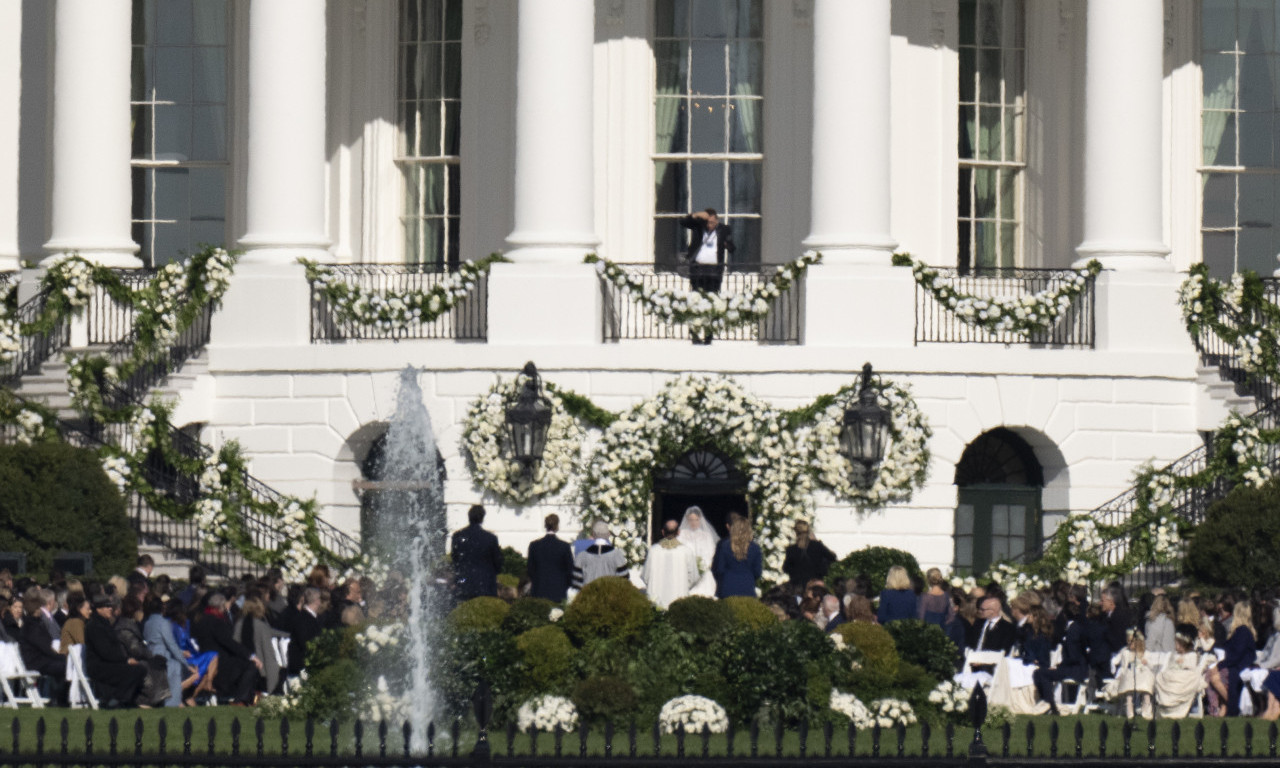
[(999, 505), (701, 477)]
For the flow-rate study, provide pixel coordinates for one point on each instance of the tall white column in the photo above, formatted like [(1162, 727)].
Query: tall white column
[(849, 205), (90, 205), (285, 195), (1123, 196), (10, 101), (554, 183)]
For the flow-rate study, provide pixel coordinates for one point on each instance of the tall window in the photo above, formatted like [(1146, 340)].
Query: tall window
[(179, 99), (1240, 135), (991, 133), (428, 104), (708, 147)]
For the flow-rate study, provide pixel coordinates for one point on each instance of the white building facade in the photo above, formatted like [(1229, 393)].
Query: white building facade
[(973, 134)]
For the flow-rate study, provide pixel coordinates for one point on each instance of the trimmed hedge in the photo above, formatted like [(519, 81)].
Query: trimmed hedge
[(707, 620), (55, 498), (1238, 544), (750, 613), (609, 607), (479, 614), (875, 644), (875, 562), (547, 654), (926, 645), (527, 613)]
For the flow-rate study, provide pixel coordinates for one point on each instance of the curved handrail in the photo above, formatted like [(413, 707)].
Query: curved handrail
[(38, 347)]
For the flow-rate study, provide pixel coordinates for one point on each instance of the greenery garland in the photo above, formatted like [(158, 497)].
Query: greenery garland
[(1255, 327), (1035, 313), (484, 436), (700, 310), (388, 310)]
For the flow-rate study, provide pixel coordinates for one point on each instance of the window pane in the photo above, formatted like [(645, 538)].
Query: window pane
[(1219, 136), (208, 194), (711, 18), (141, 140), (210, 75), (744, 117), (1000, 549), (1219, 200), (964, 520), (968, 75), (173, 74), (707, 184), (746, 64), (744, 188), (708, 67), (452, 128), (746, 237), (968, 133), (989, 75), (1000, 520), (964, 551), (209, 133), (1255, 83), (671, 125), (452, 84), (1008, 193), (668, 246), (210, 22), (990, 132), (173, 22), (708, 129), (1256, 26), (1256, 136), (671, 58), (1218, 25), (966, 192), (171, 241), (1219, 80), (453, 19), (173, 195), (1219, 253), (984, 192), (968, 14), (671, 192), (1008, 244), (173, 132), (426, 188)]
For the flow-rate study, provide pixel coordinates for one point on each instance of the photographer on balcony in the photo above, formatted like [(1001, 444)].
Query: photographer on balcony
[(708, 243)]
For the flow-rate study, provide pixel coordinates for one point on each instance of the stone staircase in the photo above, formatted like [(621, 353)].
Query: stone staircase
[(49, 384)]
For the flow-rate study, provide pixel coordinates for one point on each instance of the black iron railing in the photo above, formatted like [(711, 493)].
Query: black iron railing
[(108, 320), (626, 318), (36, 347), (9, 289), (1218, 352), (159, 364), (468, 321), (937, 323)]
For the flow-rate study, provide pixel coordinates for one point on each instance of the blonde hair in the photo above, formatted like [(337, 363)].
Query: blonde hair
[(1188, 612), (740, 537), (1242, 616), (1160, 606), (934, 577), (897, 578)]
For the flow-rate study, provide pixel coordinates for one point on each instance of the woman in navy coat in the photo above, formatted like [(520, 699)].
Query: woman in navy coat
[(738, 563), (898, 600)]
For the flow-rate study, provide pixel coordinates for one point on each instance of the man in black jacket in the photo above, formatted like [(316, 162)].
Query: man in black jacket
[(304, 628), (1075, 662), (117, 678), (550, 564), (708, 243), (36, 646), (238, 668), (477, 558)]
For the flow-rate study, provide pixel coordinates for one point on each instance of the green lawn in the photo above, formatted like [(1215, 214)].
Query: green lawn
[(223, 721)]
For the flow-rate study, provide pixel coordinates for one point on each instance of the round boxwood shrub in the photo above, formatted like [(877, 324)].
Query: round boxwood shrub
[(750, 613), (479, 614), (56, 498), (609, 607), (875, 562), (514, 563), (604, 698), (875, 644), (706, 619), (1238, 544), (547, 654), (774, 671), (527, 613), (925, 645)]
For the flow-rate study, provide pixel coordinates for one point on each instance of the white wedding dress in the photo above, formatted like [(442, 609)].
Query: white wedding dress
[(697, 533)]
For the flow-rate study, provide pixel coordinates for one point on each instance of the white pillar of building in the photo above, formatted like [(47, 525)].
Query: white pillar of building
[(849, 206), (1123, 164), (554, 180), (92, 192), (268, 303), (10, 102)]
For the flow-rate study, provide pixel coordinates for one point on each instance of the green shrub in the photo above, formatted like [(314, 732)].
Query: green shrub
[(466, 658), (774, 671), (507, 580), (527, 613), (707, 620), (875, 562), (604, 699), (479, 614), (333, 676), (914, 683), (925, 644), (875, 646), (547, 655), (608, 607), (56, 498), (514, 563), (1238, 544), (750, 613)]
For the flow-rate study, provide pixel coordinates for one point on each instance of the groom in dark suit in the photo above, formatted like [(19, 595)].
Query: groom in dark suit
[(477, 558), (550, 564)]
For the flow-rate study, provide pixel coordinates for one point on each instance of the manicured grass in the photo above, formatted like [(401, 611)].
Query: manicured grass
[(223, 721)]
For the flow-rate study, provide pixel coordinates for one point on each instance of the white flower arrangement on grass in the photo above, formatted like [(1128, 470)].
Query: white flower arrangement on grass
[(887, 713), (950, 696), (547, 713), (484, 435), (906, 462), (699, 310), (1034, 313), (851, 707), (692, 714)]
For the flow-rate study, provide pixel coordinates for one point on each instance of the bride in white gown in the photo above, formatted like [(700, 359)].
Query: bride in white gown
[(696, 532)]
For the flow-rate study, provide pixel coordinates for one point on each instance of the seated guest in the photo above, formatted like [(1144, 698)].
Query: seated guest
[(78, 611), (992, 632), (158, 634), (117, 678), (39, 642), (1115, 610), (858, 608), (306, 627), (1075, 663), (11, 618), (1159, 628), (963, 617), (195, 589), (1187, 621), (1179, 683), (1013, 685), (129, 629), (1097, 645), (236, 680), (205, 662), (252, 631), (897, 601), (1239, 652), (831, 613)]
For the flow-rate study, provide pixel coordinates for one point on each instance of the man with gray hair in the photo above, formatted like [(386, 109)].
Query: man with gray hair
[(306, 627), (599, 559)]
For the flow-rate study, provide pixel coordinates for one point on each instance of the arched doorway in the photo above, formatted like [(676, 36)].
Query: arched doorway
[(998, 510), (371, 488), (702, 477)]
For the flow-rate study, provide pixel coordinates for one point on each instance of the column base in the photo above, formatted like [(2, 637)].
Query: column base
[(553, 248), (282, 250), (853, 251), (115, 255), (1125, 256), (859, 305)]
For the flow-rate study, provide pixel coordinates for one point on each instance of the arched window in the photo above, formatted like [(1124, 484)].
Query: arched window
[(998, 510)]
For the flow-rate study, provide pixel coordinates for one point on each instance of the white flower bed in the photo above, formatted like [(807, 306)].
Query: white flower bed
[(887, 713), (851, 707), (547, 713), (692, 714), (950, 696)]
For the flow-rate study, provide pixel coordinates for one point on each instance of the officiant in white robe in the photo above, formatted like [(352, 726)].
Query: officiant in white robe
[(671, 569), (697, 533)]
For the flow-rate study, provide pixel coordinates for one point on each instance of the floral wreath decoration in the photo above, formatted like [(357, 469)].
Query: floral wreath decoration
[(701, 310), (1025, 314), (486, 445)]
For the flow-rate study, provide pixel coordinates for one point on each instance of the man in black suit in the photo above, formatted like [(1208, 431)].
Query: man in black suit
[(1075, 662), (477, 558), (708, 243), (550, 564), (304, 627), (39, 633), (117, 678), (238, 668), (994, 632), (1116, 610)]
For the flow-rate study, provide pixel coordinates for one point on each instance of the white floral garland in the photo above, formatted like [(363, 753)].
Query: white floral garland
[(692, 714), (700, 310), (1035, 313), (483, 435), (906, 462), (10, 338), (547, 713), (1166, 541)]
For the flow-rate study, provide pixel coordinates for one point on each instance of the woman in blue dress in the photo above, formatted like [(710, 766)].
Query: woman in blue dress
[(738, 563), (898, 600), (206, 663)]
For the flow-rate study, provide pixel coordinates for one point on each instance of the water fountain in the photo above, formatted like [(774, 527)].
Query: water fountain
[(409, 536)]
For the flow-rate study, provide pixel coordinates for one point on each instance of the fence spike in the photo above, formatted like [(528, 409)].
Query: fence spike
[(584, 732), (284, 736), (511, 739), (260, 730), (1126, 733), (1223, 735), (1175, 732), (1079, 734), (64, 731), (235, 736), (827, 732), (557, 737), (631, 736), (213, 733), (162, 732), (754, 737), (804, 737), (1006, 734), (730, 736), (333, 737), (1151, 738), (382, 738), (657, 740), (1054, 733), (680, 741), (15, 730), (901, 728), (875, 740), (113, 732), (1103, 733), (777, 738), (40, 731), (1248, 738), (455, 731), (950, 734), (608, 739), (406, 731), (359, 733), (137, 736), (309, 736), (431, 738), (1031, 737), (1273, 732), (1199, 732)]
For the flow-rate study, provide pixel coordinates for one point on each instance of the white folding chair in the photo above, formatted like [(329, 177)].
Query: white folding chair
[(967, 677), (81, 693), (13, 670), (280, 646)]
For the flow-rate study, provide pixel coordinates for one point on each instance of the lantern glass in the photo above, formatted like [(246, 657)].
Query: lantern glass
[(529, 420)]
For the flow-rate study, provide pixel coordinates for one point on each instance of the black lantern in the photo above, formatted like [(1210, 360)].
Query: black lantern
[(529, 420), (865, 433)]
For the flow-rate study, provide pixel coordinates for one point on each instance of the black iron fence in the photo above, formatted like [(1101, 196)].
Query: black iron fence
[(134, 740), (37, 347), (110, 321), (627, 318), (468, 321), (1074, 328)]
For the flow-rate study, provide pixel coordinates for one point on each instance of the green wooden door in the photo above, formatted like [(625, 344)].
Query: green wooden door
[(994, 523)]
